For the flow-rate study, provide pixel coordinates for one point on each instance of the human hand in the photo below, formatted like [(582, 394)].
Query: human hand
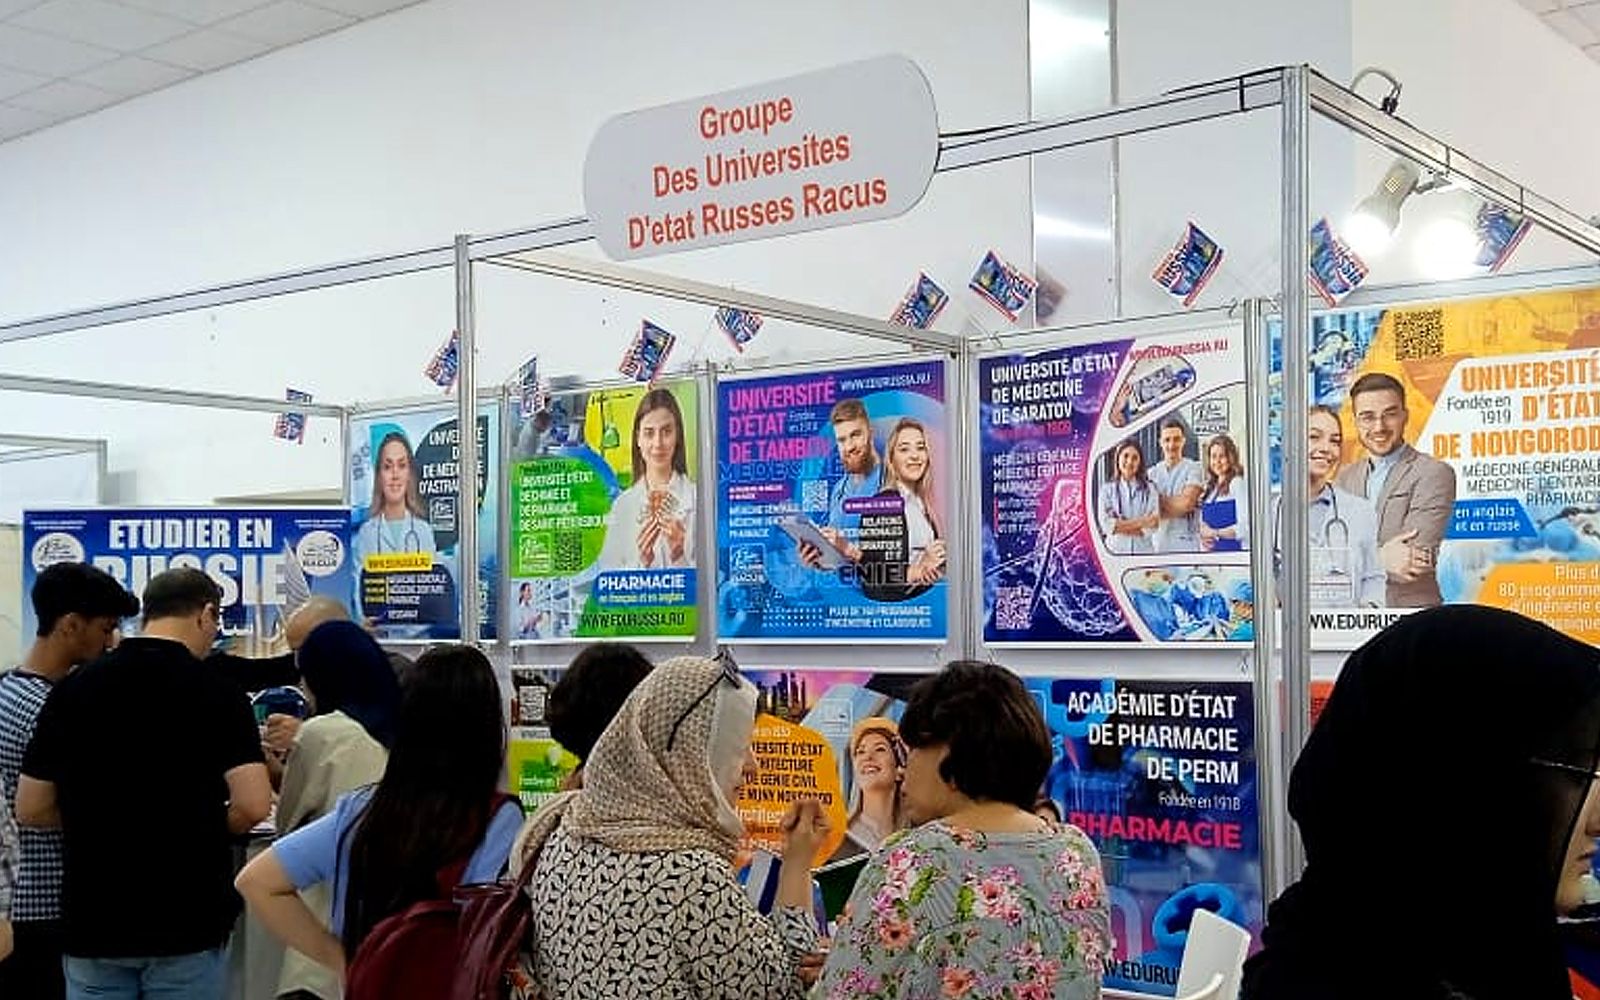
[(280, 733), (838, 541), (648, 536), (1399, 559), (810, 555), (810, 966), (938, 552), (677, 536), (804, 827)]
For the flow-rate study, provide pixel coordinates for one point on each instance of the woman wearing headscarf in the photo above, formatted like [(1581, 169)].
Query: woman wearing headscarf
[(634, 895), (1447, 802), (355, 700)]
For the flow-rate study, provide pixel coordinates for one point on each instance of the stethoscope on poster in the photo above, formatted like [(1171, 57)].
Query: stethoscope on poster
[(409, 542), (1327, 535)]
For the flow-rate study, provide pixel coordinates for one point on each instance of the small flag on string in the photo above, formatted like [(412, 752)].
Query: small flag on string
[(530, 391), (446, 363), (922, 304), (1002, 286), (1500, 231), (291, 425), (647, 355), (740, 325), (1187, 267), (1334, 269)]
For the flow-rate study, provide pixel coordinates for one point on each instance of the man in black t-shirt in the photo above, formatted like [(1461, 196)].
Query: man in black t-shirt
[(148, 901)]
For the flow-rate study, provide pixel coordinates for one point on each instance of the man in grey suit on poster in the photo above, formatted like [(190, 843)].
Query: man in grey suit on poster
[(1413, 493)]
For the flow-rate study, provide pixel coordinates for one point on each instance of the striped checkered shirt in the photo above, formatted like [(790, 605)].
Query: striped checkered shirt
[(9, 848), (37, 893)]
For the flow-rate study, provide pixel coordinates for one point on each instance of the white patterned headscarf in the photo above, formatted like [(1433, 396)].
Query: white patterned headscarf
[(641, 795)]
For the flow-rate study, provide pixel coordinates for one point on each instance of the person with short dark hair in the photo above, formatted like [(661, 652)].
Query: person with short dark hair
[(1179, 481), (163, 842), (589, 695), (1412, 494), (863, 477), (79, 609), (984, 891)]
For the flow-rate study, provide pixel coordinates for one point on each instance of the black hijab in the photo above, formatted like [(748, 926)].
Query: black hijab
[(1434, 844), (347, 671)]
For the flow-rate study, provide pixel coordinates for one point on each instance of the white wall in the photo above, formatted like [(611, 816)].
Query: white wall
[(473, 115), (1492, 80), (449, 116), (1226, 176)]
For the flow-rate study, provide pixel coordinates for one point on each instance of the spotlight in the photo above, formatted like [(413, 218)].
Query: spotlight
[(1373, 223), (1447, 248)]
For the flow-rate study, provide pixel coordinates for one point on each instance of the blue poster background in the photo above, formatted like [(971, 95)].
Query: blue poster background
[(1162, 776), (778, 460), (416, 603), (264, 559)]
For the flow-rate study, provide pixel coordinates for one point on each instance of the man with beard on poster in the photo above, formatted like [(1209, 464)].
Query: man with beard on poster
[(863, 476), (1414, 494)]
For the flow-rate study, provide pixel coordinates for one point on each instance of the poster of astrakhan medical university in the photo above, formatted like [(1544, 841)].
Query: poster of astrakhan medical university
[(1454, 457), (403, 484)]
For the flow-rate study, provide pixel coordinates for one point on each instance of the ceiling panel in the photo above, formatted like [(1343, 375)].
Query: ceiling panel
[(47, 55), (196, 11), (65, 98), (207, 49), (108, 25), (133, 75), (63, 58), (14, 81), (1578, 21), (19, 121), (285, 22)]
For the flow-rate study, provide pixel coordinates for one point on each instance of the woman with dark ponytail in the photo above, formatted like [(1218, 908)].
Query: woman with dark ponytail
[(437, 810)]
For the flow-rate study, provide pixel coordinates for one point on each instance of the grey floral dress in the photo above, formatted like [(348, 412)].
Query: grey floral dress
[(943, 912)]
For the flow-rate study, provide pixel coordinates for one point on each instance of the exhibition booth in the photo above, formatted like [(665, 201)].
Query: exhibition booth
[(1008, 497)]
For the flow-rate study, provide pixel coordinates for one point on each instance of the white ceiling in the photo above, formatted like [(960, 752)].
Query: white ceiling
[(1578, 21), (64, 58)]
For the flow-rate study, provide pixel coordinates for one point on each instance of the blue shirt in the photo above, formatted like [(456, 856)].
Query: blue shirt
[(851, 487), (1379, 472), (320, 851), (40, 867)]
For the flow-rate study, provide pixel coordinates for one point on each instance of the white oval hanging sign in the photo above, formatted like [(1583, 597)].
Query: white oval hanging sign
[(833, 148)]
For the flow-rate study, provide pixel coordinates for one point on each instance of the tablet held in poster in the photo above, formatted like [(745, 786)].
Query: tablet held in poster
[(831, 517), (1115, 506), (1454, 457), (267, 561), (1162, 776), (403, 490), (604, 511), (833, 736)]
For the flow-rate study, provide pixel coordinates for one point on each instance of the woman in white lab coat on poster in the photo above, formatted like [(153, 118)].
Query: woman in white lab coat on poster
[(652, 522)]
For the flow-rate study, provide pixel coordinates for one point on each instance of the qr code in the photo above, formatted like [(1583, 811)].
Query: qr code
[(569, 551), (1012, 607), (1419, 334), (814, 495)]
